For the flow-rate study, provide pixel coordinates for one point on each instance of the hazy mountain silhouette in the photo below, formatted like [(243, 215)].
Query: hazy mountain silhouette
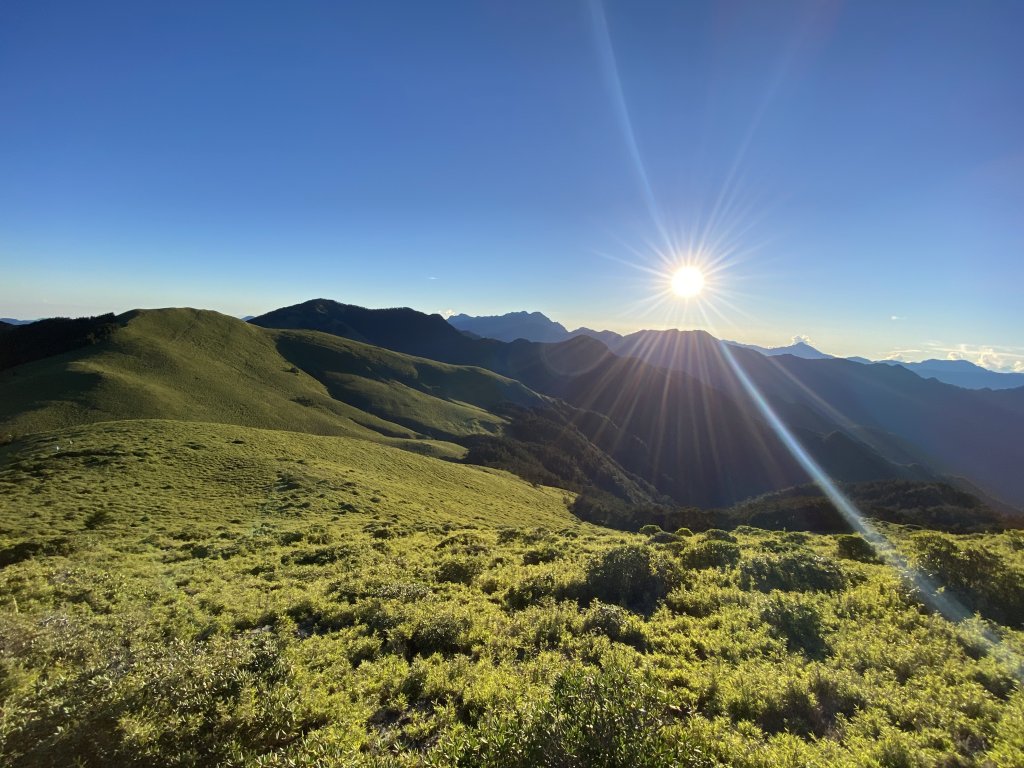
[(798, 348), (532, 326), (963, 373)]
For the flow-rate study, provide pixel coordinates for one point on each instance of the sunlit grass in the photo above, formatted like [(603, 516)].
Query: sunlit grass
[(181, 593)]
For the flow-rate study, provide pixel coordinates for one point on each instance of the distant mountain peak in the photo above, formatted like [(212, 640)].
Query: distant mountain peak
[(962, 373), (532, 326), (799, 348)]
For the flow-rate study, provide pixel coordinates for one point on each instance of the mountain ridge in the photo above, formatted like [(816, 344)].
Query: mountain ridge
[(672, 449), (966, 374)]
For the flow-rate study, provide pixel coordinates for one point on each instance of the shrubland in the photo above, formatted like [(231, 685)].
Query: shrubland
[(196, 594)]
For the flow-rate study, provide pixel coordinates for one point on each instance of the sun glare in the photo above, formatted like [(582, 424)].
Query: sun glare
[(687, 282)]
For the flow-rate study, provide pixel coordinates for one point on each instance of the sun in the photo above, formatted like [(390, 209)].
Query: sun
[(687, 282)]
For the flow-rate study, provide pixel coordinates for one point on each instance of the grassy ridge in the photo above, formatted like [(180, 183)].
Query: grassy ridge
[(182, 593), (203, 366), (430, 397)]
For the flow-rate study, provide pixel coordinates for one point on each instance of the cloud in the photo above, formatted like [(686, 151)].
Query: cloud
[(993, 357), (896, 317), (801, 339), (431, 278), (446, 313), (903, 355)]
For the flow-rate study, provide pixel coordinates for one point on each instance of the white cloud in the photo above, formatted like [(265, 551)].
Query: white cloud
[(446, 313), (995, 358), (801, 339), (903, 355), (896, 317)]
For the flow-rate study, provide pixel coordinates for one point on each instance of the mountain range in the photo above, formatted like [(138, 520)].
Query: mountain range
[(535, 326), (670, 408), (662, 419)]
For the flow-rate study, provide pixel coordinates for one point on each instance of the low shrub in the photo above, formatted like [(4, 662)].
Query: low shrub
[(544, 553), (531, 590), (977, 575), (630, 575), (616, 624), (717, 534), (445, 632), (710, 554), (798, 622), (601, 718), (851, 546), (793, 572), (460, 570), (23, 550)]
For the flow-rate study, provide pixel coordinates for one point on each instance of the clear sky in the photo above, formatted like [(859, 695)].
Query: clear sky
[(853, 172)]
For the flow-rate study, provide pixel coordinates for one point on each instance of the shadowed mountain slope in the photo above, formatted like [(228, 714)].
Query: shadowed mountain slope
[(903, 417), (690, 440)]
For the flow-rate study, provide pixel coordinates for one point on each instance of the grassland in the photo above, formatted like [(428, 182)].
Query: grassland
[(198, 365), (186, 593)]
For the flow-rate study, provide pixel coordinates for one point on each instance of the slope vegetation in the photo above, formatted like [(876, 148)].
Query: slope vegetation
[(182, 594), (203, 366)]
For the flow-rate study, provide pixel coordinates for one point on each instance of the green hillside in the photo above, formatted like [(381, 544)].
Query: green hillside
[(183, 593), (203, 366)]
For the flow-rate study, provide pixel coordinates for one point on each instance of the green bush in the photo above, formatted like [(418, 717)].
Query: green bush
[(798, 622), (616, 624), (711, 554), (23, 550), (532, 590), (461, 570), (177, 704), (717, 534), (793, 572), (443, 631), (630, 575), (853, 547), (544, 553), (664, 537), (613, 717), (978, 576)]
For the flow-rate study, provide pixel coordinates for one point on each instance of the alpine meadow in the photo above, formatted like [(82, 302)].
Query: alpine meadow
[(294, 475)]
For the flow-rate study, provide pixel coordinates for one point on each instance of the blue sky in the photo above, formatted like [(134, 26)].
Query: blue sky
[(853, 172)]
